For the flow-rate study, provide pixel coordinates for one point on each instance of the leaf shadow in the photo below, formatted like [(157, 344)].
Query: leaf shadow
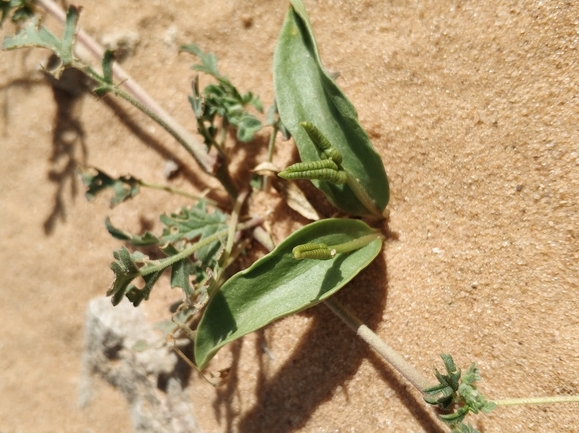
[(69, 149), (328, 356), (246, 156), (187, 168)]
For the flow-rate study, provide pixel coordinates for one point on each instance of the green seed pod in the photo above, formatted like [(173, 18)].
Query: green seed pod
[(322, 142), (313, 251)]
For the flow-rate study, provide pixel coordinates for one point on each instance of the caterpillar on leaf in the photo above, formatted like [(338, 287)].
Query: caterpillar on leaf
[(313, 251), (325, 169), (329, 151)]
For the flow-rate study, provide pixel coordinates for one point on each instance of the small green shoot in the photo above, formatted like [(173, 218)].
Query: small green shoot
[(456, 395), (223, 101)]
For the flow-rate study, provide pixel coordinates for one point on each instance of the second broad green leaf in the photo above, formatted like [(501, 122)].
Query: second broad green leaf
[(278, 284), (305, 92)]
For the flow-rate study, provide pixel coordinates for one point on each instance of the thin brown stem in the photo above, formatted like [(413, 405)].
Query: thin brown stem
[(538, 400), (385, 351), (207, 161)]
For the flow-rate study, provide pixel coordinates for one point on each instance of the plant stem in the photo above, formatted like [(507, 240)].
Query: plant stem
[(356, 244), (176, 191), (207, 161), (538, 400), (233, 225), (270, 148), (160, 265), (362, 195), (376, 343), (220, 167), (366, 334)]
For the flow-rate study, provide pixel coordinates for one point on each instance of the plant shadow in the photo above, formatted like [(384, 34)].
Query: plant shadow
[(188, 169), (69, 149), (328, 355)]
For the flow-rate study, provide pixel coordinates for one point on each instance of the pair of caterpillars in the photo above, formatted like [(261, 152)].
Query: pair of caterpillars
[(328, 168)]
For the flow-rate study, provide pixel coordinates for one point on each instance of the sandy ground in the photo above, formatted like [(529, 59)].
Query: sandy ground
[(473, 107)]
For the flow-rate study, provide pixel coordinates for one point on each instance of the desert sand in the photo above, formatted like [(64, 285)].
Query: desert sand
[(474, 109)]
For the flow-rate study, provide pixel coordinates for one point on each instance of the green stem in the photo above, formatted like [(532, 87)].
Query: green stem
[(538, 400), (202, 129), (165, 263), (356, 244), (143, 101), (206, 161), (223, 176), (221, 173), (176, 191), (146, 110), (362, 195), (233, 226), (271, 144)]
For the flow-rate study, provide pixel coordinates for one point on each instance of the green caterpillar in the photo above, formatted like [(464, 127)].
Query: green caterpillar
[(326, 169), (312, 165), (313, 251), (329, 151), (337, 177)]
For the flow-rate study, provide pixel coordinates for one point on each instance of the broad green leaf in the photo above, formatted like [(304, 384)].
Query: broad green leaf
[(305, 92), (278, 284)]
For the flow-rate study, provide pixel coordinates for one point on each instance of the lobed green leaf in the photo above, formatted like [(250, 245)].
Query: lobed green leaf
[(186, 230), (35, 35), (279, 285), (21, 10), (124, 187), (128, 267)]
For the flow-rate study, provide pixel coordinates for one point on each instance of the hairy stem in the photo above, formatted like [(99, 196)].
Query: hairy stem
[(165, 263), (176, 192), (538, 400), (385, 351), (376, 343), (233, 225), (270, 149)]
